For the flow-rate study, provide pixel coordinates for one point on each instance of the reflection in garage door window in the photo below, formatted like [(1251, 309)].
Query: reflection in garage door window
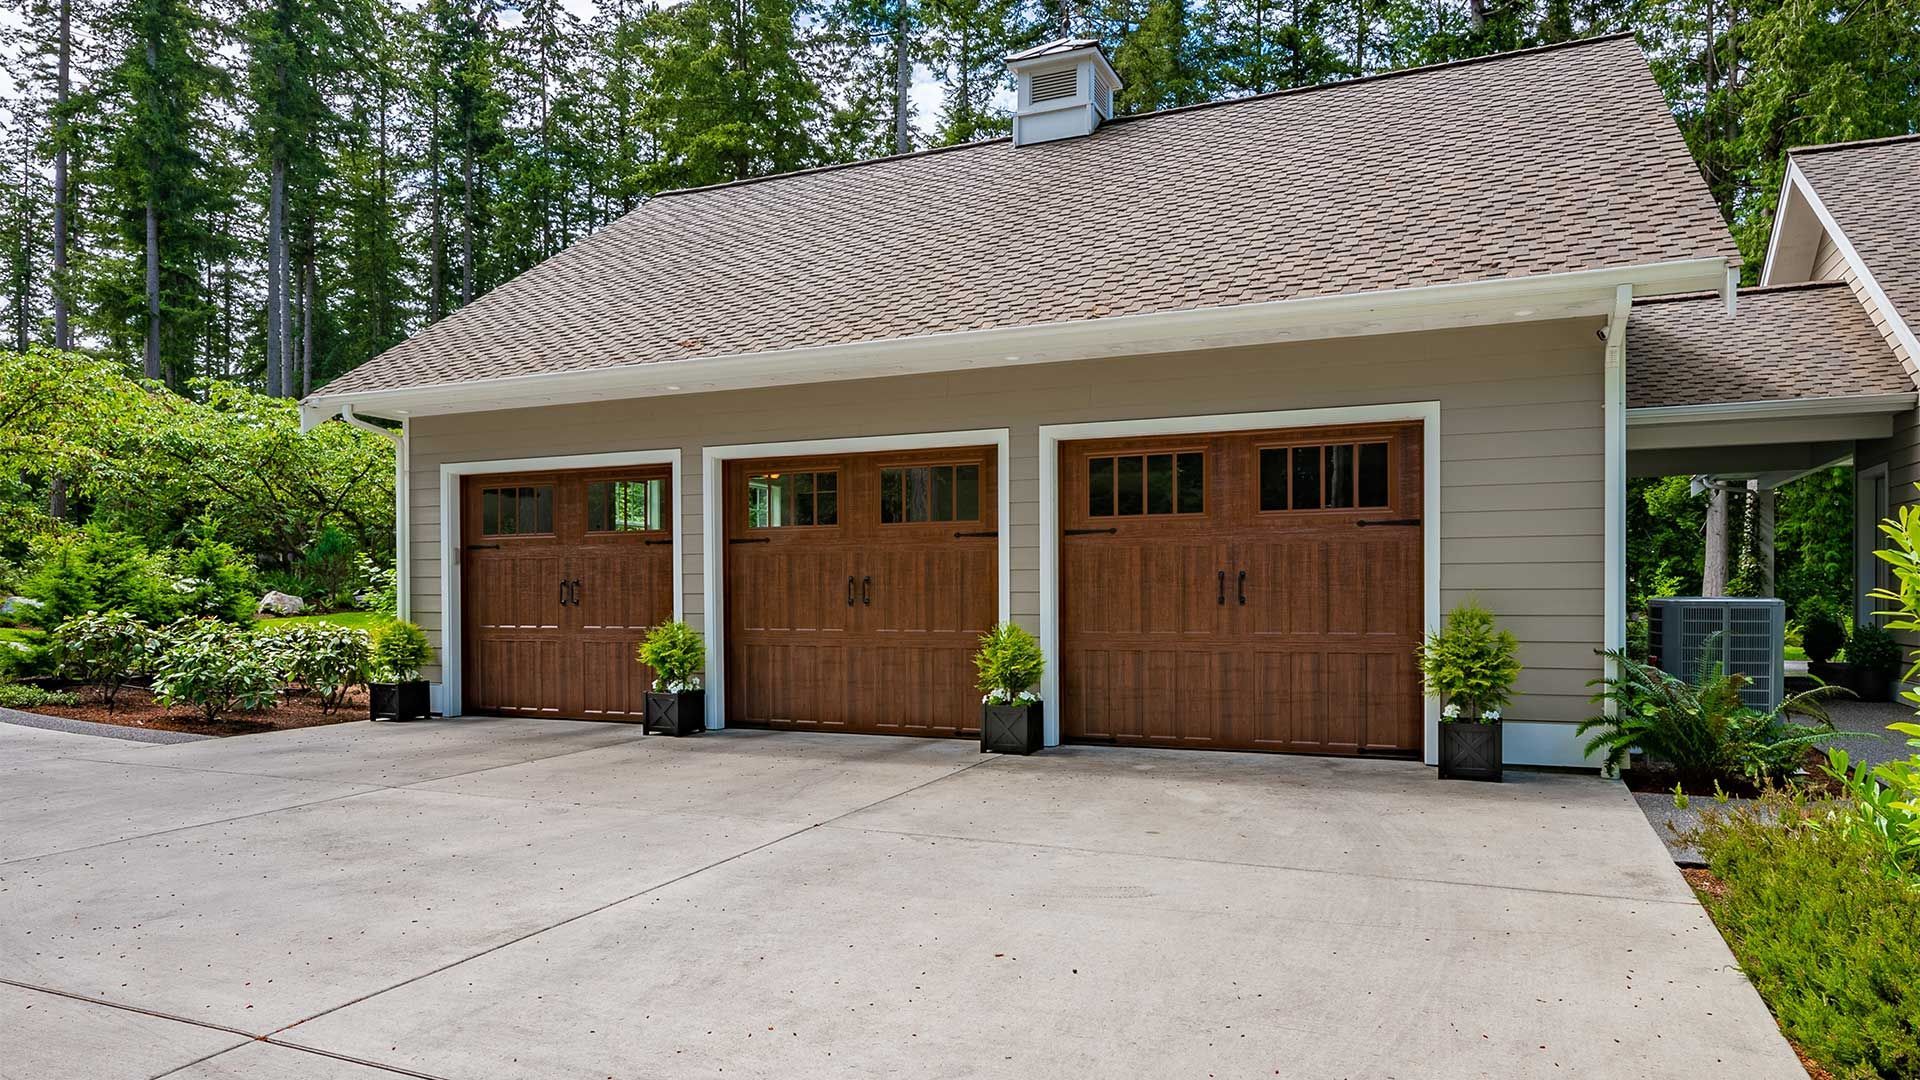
[(781, 500), (1147, 484), (512, 511), (1341, 476), (626, 505), (916, 493)]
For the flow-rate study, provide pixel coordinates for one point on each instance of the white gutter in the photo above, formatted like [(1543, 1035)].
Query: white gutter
[(1782, 409), (1614, 629), (402, 465), (1505, 300)]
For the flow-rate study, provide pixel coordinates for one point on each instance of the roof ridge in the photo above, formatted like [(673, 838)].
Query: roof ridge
[(1380, 76), (1851, 144), (1745, 290)]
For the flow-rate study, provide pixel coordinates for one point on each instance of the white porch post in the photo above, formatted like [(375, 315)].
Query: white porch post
[(1615, 593)]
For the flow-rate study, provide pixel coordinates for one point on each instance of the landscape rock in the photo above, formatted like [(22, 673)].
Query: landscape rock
[(19, 607), (279, 603)]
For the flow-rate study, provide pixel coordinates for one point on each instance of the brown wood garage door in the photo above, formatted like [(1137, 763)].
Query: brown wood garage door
[(857, 587), (562, 575), (1250, 591)]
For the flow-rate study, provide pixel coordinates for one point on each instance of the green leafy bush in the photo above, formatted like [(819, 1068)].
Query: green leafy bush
[(330, 563), (1471, 664), (676, 654), (28, 696), (378, 590), (1829, 937), (214, 580), (1872, 648), (400, 650), (216, 667), (23, 659), (98, 569), (1886, 800), (1010, 665), (1823, 631), (103, 650), (1702, 729), (327, 660)]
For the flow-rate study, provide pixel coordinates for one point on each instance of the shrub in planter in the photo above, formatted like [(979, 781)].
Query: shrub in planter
[(676, 654), (216, 667), (103, 650), (398, 651), (1010, 664), (1822, 633), (1874, 656), (1470, 664), (327, 660)]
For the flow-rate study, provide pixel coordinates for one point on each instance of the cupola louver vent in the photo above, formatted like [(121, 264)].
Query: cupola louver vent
[(1056, 85)]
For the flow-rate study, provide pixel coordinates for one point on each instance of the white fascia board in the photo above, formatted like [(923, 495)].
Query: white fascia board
[(1571, 294), (1773, 410), (1895, 319)]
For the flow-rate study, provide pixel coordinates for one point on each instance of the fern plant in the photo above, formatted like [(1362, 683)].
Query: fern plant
[(1010, 664), (676, 654)]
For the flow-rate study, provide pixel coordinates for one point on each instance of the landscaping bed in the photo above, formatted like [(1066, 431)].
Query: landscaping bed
[(135, 707)]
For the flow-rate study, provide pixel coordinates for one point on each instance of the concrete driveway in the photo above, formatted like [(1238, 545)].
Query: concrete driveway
[(514, 898)]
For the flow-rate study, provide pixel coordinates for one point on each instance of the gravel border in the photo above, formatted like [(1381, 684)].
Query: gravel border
[(88, 727)]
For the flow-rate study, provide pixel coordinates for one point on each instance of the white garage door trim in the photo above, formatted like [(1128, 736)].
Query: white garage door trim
[(713, 524), (1052, 435), (452, 697)]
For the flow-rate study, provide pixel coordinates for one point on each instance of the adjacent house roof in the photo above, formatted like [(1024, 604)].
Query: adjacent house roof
[(1787, 342), (1872, 189), (1557, 159)]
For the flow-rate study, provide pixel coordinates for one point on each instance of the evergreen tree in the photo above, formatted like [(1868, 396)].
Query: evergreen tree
[(967, 44)]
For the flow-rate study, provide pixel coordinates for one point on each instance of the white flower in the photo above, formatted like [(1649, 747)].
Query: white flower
[(1002, 696), (1451, 712), (1490, 715)]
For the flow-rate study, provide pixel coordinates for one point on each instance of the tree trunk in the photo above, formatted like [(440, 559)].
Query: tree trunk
[(466, 219), (62, 127), (437, 233), (1713, 579), (902, 80), (276, 275), (57, 498), (1760, 505), (152, 367), (306, 326)]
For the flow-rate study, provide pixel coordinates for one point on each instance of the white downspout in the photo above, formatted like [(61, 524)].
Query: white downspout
[(1614, 634), (402, 466)]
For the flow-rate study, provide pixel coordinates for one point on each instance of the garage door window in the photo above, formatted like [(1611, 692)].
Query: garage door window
[(918, 493), (1146, 484), (1341, 476), (516, 511), (626, 505), (784, 500)]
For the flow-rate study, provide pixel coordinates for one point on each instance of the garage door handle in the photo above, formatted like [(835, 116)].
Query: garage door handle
[(1243, 588), (849, 592), (1388, 521), (866, 593), (1221, 597), (563, 592), (576, 592)]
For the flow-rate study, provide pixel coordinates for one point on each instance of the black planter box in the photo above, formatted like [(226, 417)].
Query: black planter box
[(1871, 684), (1470, 751), (676, 714), (398, 701), (1011, 729)]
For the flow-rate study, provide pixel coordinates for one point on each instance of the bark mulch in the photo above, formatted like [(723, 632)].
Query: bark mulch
[(136, 708)]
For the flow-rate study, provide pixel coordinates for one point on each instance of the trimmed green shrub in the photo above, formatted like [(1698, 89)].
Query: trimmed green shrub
[(216, 667), (1824, 931), (1471, 664), (1823, 633), (28, 696), (1010, 664), (327, 660), (214, 580), (676, 654), (400, 650), (1872, 648), (329, 563), (103, 650), (97, 569), (1702, 729)]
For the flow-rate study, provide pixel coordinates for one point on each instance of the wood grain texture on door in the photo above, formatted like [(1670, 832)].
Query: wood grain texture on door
[(1278, 608), (867, 622), (554, 615)]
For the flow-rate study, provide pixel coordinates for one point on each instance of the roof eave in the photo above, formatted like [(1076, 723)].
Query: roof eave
[(1528, 298), (1777, 409)]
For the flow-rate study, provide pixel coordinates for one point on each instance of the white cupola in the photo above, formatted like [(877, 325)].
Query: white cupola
[(1065, 89)]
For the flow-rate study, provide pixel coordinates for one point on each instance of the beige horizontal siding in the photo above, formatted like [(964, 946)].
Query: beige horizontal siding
[(1520, 453)]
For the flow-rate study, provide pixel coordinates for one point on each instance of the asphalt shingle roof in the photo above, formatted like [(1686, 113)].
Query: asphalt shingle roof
[(1556, 159), (1872, 189), (1786, 343)]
